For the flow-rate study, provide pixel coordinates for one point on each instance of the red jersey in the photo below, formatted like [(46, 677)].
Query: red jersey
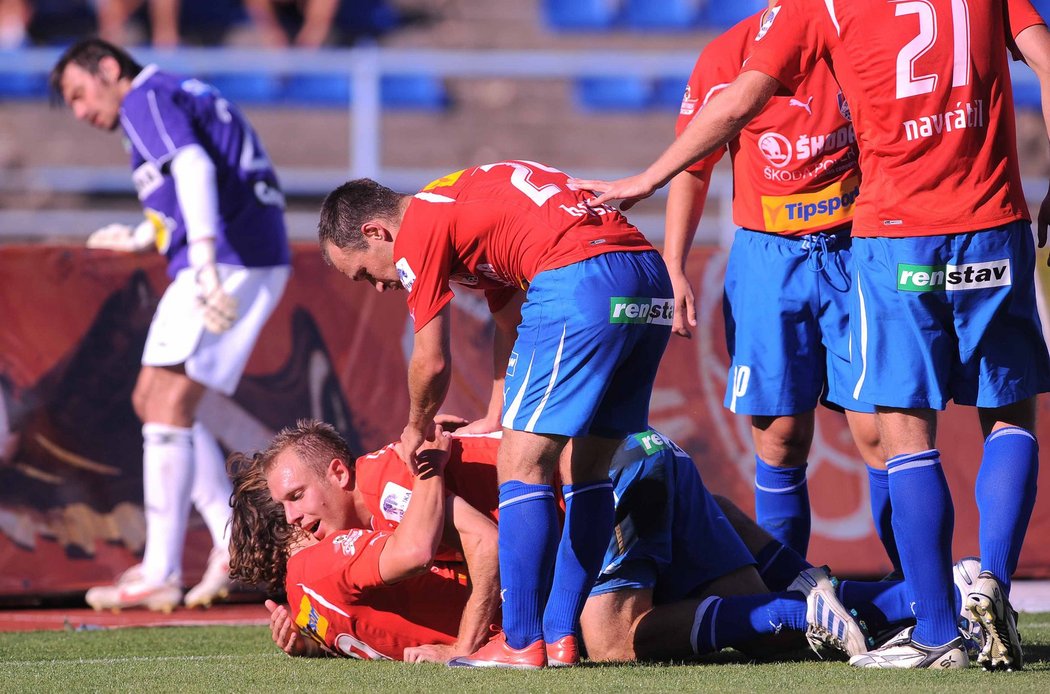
[(339, 599), (386, 485), (495, 227), (928, 85), (795, 165)]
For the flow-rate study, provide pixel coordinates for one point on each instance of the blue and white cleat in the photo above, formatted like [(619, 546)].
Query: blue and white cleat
[(989, 606), (965, 574), (829, 623), (902, 652)]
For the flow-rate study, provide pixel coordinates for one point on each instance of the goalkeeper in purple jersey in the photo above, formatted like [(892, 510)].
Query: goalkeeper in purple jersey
[(214, 208)]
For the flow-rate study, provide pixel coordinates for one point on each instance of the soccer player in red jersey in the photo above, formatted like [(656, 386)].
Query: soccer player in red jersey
[(795, 180), (575, 358), (307, 470), (943, 300), (360, 593)]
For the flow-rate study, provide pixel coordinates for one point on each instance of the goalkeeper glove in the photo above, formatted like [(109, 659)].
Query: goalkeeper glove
[(218, 308)]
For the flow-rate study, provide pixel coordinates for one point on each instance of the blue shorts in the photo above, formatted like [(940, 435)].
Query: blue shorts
[(588, 346), (939, 318), (786, 311), (670, 534)]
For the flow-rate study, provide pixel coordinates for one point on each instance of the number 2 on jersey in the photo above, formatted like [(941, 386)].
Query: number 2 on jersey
[(521, 178), (910, 84)]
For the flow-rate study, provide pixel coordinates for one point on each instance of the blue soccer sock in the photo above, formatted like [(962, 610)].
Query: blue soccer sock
[(782, 504), (528, 539), (1006, 487), (739, 619), (779, 565), (882, 513), (880, 604), (589, 515), (923, 520)]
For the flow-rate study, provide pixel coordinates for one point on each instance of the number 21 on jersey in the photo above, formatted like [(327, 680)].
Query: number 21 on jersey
[(930, 30)]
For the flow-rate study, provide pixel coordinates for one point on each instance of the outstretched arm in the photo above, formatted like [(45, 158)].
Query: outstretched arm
[(429, 375), (716, 124)]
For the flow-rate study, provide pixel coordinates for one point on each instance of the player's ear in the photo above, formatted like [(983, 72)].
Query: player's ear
[(341, 473), (376, 230), (109, 68)]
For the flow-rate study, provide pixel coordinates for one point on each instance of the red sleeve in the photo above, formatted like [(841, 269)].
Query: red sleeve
[(709, 77), (790, 41), (1019, 15), (423, 257), (359, 552)]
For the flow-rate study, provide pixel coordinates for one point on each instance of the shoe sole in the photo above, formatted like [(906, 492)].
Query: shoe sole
[(487, 664), (998, 653)]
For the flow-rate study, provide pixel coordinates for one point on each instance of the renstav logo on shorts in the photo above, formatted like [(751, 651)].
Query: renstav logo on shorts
[(953, 278), (641, 309)]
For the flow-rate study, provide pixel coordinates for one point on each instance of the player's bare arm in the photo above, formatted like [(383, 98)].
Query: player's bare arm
[(429, 374), (476, 536), (506, 320), (412, 547), (719, 121), (685, 206), (1034, 44)]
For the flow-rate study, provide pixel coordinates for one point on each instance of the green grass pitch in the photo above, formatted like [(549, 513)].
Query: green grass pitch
[(242, 659)]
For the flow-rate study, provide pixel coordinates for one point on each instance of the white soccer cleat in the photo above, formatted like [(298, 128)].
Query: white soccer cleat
[(902, 652), (215, 584), (965, 574), (131, 590), (989, 606), (829, 623)]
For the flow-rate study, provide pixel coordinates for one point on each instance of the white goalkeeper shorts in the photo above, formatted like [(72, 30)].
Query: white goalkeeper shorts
[(177, 334)]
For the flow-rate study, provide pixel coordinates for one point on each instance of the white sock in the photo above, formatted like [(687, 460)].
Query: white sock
[(167, 476), (211, 486)]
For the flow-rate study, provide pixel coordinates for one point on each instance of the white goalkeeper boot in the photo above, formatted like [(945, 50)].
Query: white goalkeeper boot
[(215, 584), (132, 590)]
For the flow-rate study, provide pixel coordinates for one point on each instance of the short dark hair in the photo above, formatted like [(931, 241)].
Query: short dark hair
[(346, 209), (315, 442), (87, 54)]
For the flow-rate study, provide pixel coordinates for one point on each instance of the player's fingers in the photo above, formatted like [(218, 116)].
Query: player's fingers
[(587, 184), (271, 605), (690, 310), (411, 655)]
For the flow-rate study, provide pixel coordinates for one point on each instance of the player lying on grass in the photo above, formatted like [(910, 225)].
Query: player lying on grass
[(673, 552), (306, 486)]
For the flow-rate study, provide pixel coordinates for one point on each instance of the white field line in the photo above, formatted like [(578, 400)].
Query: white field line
[(138, 659)]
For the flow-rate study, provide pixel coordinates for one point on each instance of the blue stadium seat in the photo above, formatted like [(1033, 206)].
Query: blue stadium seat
[(581, 15), (669, 91), (247, 88), (332, 90), (722, 14), (663, 15), (23, 86), (614, 93), (413, 92)]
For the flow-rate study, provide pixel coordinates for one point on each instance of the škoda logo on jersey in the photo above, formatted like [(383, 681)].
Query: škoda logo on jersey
[(952, 278), (641, 309)]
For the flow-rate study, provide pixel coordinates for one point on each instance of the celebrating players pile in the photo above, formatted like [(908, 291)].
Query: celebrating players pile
[(877, 191)]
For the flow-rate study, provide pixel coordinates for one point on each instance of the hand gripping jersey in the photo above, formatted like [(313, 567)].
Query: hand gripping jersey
[(795, 165), (163, 113), (928, 85), (337, 598), (494, 228), (386, 485)]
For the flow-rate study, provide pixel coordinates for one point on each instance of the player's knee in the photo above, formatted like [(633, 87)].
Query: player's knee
[(783, 441)]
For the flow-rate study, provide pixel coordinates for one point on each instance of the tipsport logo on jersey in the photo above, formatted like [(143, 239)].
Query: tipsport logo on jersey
[(641, 309), (953, 278)]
